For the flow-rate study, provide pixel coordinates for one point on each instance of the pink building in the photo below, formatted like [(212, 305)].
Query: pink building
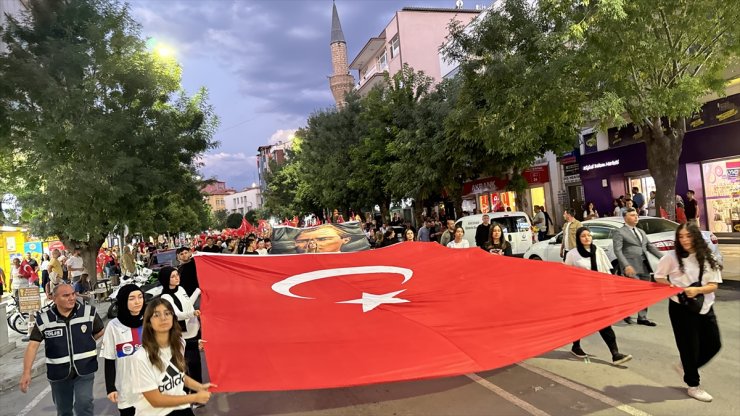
[(413, 36)]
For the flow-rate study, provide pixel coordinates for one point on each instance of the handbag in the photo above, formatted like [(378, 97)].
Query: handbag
[(697, 302)]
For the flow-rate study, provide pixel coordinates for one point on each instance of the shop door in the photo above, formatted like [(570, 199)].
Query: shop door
[(575, 200)]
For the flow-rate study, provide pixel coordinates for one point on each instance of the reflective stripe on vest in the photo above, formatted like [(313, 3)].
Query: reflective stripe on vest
[(69, 344)]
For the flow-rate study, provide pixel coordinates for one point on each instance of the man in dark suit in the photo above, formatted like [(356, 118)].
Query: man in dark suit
[(631, 246)]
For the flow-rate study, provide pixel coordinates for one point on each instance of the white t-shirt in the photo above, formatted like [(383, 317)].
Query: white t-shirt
[(668, 266), (75, 263), (120, 343), (146, 377), (462, 244)]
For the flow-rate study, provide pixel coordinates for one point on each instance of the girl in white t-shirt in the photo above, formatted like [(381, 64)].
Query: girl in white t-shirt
[(697, 334), (459, 242), (121, 340), (158, 373)]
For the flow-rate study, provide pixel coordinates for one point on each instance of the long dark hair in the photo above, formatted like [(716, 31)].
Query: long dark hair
[(149, 339), (502, 240), (701, 249)]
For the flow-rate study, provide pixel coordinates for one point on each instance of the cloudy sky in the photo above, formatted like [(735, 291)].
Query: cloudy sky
[(264, 62)]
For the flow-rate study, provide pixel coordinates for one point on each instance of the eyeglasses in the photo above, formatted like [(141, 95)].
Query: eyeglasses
[(165, 315)]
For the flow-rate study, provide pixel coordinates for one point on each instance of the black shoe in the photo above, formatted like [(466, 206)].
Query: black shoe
[(646, 322), (628, 321), (578, 352), (618, 358)]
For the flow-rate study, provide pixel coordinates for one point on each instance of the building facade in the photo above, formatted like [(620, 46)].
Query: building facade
[(277, 153), (215, 193), (412, 37), (244, 201), (614, 162)]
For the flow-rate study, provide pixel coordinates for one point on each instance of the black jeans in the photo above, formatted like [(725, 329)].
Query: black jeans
[(697, 339), (609, 337)]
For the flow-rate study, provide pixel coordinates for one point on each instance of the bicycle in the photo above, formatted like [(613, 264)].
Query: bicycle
[(17, 320)]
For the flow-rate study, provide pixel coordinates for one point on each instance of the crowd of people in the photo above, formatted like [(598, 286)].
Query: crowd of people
[(152, 350)]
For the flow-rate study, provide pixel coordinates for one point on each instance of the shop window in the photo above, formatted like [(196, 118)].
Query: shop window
[(722, 194)]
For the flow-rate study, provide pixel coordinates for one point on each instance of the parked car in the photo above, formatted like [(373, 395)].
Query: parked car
[(516, 225), (660, 232)]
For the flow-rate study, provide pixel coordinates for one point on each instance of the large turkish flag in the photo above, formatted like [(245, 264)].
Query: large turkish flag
[(409, 311)]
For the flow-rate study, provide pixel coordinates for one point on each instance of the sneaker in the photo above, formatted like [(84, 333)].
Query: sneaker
[(646, 322), (699, 394), (628, 321), (578, 352), (619, 358)]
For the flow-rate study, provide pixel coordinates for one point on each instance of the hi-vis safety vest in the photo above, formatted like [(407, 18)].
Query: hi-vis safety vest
[(69, 343)]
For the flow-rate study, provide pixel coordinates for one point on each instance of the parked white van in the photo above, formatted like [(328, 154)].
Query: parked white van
[(516, 225)]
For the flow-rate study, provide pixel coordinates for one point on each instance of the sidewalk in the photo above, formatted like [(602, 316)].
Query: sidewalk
[(11, 362)]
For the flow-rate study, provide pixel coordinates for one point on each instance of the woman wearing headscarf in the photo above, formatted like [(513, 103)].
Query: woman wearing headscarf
[(121, 340), (187, 317), (592, 257)]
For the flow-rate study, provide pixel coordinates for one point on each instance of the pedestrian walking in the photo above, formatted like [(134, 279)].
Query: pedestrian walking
[(187, 318), (631, 247), (458, 241), (592, 257), (69, 330), (692, 267), (569, 232), (122, 338), (497, 243), (158, 370), (483, 231)]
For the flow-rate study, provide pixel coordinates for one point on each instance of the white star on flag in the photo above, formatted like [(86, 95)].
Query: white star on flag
[(370, 301)]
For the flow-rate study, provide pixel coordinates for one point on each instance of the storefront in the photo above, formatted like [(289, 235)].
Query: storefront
[(709, 164), (490, 194)]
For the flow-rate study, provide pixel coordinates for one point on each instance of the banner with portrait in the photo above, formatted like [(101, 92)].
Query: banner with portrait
[(324, 238)]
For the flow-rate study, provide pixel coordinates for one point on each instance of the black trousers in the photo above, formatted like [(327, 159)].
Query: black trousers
[(609, 337), (697, 339), (192, 359)]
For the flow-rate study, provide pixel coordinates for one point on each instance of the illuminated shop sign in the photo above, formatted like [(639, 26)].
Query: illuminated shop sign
[(593, 166)]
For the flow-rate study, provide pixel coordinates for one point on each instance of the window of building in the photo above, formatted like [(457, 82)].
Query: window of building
[(383, 62), (395, 47)]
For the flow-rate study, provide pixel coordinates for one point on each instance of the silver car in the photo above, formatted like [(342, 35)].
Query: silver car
[(660, 232)]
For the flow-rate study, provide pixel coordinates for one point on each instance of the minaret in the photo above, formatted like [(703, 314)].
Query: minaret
[(340, 82)]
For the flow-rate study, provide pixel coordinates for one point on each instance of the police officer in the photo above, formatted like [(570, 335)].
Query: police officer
[(70, 330)]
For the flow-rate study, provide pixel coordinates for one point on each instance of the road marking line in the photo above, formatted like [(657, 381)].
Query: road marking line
[(35, 401), (506, 395), (585, 390)]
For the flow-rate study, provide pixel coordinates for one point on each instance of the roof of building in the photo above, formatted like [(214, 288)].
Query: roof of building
[(439, 9), (217, 188), (336, 28)]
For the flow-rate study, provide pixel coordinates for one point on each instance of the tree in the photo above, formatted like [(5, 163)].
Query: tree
[(97, 127), (518, 98), (651, 62), (219, 219), (234, 220)]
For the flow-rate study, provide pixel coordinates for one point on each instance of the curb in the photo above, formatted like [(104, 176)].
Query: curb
[(39, 367)]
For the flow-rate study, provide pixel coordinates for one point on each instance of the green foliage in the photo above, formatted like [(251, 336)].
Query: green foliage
[(97, 129), (518, 98), (219, 219), (234, 220)]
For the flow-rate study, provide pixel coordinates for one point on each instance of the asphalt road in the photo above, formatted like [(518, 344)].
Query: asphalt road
[(555, 383)]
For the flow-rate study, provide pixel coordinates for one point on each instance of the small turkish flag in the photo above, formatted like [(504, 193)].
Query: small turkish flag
[(409, 311)]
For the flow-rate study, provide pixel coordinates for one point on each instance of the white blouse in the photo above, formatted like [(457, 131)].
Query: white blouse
[(668, 267), (462, 244), (603, 265)]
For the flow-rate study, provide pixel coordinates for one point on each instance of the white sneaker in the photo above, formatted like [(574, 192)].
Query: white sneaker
[(699, 394)]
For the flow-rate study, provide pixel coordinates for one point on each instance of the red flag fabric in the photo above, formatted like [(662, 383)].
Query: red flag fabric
[(409, 311), (245, 228)]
